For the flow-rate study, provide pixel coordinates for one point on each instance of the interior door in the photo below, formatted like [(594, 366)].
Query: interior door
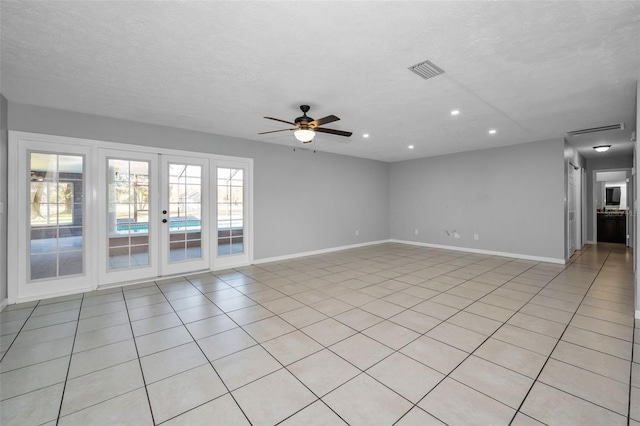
[(184, 214)]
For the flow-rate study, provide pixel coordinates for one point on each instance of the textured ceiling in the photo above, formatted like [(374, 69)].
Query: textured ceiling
[(532, 70)]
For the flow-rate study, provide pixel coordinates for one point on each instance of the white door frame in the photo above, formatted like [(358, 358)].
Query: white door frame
[(17, 197), (595, 195)]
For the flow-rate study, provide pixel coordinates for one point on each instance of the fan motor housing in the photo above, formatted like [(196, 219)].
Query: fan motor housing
[(304, 119)]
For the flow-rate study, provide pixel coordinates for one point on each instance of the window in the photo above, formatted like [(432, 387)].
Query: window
[(56, 210), (230, 211)]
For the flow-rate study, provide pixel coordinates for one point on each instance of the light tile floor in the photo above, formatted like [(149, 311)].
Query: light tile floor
[(381, 335)]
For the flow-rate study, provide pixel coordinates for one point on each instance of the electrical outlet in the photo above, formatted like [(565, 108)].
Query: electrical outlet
[(476, 236), (416, 232), (357, 233)]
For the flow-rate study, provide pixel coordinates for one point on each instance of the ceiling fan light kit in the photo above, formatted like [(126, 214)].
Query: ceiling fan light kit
[(306, 127), (304, 135)]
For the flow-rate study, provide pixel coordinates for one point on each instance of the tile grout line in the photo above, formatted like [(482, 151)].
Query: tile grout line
[(20, 331), (424, 334), (485, 340), (421, 334), (203, 353), (261, 345), (277, 360), (66, 378), (383, 319), (560, 338), (441, 292), (135, 344), (633, 341)]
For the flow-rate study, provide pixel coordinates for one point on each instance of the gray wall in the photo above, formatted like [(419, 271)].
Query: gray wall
[(302, 201), (607, 163), (511, 196), (3, 197), (601, 163)]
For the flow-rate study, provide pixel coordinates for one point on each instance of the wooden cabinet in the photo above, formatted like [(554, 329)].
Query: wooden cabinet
[(612, 227)]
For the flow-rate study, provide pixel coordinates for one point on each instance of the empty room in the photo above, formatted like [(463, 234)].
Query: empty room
[(319, 213)]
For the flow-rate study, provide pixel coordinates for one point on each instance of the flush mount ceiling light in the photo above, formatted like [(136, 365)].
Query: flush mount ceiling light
[(455, 112), (411, 147), (365, 135), (304, 135), (492, 131), (602, 148)]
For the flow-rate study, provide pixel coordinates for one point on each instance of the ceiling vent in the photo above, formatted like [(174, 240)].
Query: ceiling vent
[(426, 69), (619, 126)]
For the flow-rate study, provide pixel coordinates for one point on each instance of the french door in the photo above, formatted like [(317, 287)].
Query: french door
[(87, 213), (154, 218)]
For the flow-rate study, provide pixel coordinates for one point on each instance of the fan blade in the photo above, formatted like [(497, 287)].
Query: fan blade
[(283, 121), (325, 120), (333, 132), (275, 131)]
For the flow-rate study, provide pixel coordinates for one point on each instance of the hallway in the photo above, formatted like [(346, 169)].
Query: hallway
[(379, 335)]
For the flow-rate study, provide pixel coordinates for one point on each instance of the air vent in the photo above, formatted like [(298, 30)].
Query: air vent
[(619, 126), (426, 69)]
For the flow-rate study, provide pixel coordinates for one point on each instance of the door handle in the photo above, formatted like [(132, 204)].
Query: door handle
[(164, 220)]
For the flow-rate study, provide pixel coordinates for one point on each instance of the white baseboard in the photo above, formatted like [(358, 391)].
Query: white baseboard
[(415, 243), (52, 295), (314, 252), (479, 251), (592, 242), (4, 304)]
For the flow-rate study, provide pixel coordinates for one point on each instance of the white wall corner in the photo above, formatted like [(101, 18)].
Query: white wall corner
[(637, 314), (5, 303)]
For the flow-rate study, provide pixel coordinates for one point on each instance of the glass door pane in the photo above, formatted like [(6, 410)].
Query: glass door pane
[(56, 215), (129, 208), (185, 212), (230, 200)]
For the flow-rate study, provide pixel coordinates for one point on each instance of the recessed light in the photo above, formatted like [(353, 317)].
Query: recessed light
[(365, 135), (411, 147), (602, 148), (455, 112), (492, 131)]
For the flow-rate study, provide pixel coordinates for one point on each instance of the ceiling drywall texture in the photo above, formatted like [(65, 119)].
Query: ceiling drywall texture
[(531, 70)]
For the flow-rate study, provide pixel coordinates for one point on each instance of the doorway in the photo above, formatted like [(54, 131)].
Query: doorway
[(154, 215), (612, 198)]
